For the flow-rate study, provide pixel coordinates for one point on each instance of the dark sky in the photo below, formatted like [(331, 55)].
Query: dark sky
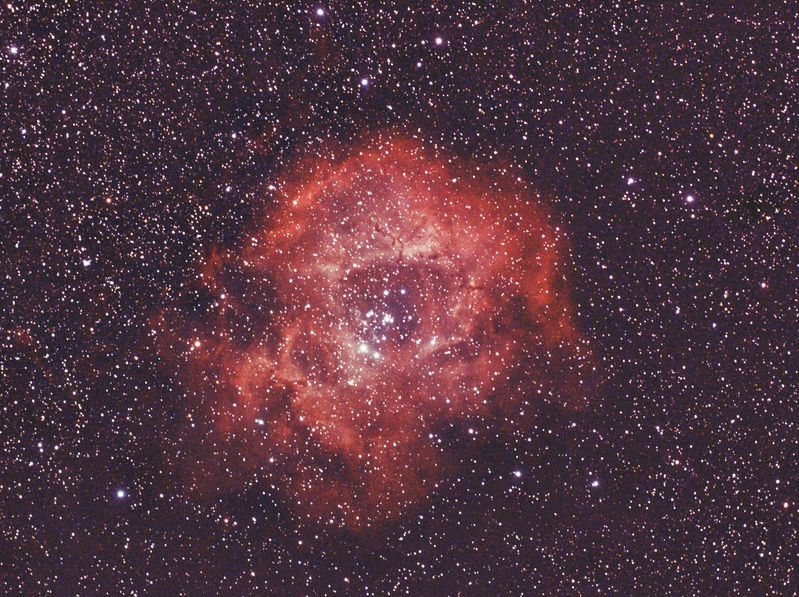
[(137, 140)]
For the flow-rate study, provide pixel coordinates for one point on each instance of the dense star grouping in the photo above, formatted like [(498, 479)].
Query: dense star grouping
[(175, 421)]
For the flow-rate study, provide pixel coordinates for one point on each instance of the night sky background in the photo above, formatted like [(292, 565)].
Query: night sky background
[(664, 136)]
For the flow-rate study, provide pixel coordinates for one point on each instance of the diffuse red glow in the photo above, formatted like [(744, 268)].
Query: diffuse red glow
[(389, 295)]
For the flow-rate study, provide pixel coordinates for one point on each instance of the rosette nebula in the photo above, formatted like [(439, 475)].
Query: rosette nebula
[(383, 298)]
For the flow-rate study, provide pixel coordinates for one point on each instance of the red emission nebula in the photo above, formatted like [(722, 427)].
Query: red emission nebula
[(383, 298)]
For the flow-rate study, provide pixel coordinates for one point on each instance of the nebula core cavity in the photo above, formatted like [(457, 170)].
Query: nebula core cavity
[(386, 297)]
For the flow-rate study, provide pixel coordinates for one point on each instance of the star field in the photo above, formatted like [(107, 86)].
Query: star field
[(373, 299)]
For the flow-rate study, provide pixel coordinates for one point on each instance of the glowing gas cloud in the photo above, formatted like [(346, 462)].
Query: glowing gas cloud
[(384, 296)]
